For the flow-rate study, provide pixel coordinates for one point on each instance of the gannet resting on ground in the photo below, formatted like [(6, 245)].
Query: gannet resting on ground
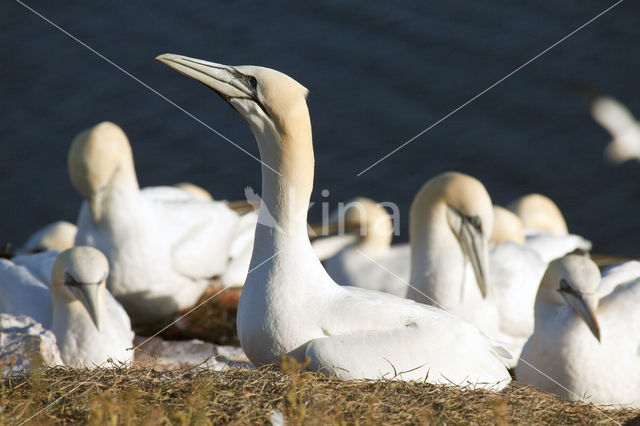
[(289, 305), (71, 300), (623, 127), (55, 236), (163, 245), (371, 262), (589, 347), (450, 221), (545, 228)]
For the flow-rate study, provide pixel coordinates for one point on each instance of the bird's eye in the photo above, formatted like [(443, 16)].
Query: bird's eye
[(476, 222), (252, 82), (70, 280), (565, 287)]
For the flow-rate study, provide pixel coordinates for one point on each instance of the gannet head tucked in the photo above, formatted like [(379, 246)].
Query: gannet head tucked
[(96, 158), (506, 227), (461, 203), (371, 220), (58, 236), (79, 275), (539, 212), (573, 280)]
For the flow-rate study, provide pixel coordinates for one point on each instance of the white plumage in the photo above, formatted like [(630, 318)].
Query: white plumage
[(584, 345), (621, 125), (67, 294), (370, 261), (163, 244), (289, 305), (454, 267)]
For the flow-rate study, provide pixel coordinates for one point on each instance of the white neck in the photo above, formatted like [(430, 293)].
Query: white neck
[(286, 191), (438, 266), (120, 198), (72, 325)]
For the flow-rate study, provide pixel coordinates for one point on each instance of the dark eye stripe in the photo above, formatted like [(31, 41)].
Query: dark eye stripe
[(566, 287), (476, 222), (72, 282)]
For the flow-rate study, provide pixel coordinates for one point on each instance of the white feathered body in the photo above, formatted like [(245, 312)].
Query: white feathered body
[(163, 246)]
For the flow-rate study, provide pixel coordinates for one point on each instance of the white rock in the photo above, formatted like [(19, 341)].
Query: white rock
[(25, 345), (170, 355)]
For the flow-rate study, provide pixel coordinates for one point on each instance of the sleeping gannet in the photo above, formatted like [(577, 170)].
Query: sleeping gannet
[(584, 345), (57, 236), (538, 212), (545, 227), (352, 265), (163, 245), (289, 305), (507, 227), (623, 127), (67, 294), (453, 266)]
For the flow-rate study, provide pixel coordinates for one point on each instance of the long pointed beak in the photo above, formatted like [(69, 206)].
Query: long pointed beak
[(91, 301), (586, 307), (224, 79), (476, 248)]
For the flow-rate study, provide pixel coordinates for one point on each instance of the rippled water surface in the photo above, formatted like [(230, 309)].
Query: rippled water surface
[(379, 73)]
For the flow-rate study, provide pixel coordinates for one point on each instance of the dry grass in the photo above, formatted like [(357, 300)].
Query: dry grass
[(120, 396)]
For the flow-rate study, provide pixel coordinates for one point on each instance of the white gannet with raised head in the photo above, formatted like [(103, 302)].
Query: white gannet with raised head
[(453, 266), (584, 346), (163, 245), (371, 261), (289, 305), (60, 235), (67, 294), (621, 125), (545, 227)]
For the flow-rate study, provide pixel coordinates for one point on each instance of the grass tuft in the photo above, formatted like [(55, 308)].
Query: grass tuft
[(145, 396)]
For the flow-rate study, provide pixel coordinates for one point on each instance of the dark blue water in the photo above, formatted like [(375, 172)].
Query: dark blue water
[(378, 72)]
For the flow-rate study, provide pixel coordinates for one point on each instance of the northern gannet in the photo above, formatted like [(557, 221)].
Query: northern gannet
[(453, 266), (371, 261), (67, 294), (58, 236), (584, 345), (289, 305), (163, 245), (507, 227), (545, 227), (539, 213), (623, 127)]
